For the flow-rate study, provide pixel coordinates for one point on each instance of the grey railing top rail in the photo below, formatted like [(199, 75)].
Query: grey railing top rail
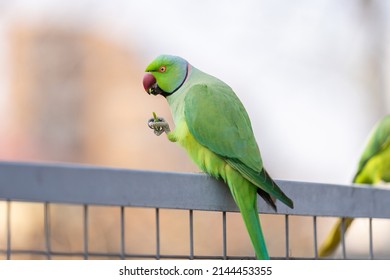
[(83, 184)]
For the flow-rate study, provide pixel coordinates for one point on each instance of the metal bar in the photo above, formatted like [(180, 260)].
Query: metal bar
[(191, 218), (123, 250), (85, 229), (286, 222), (80, 184), (47, 229), (224, 239), (343, 238), (8, 251), (315, 237), (157, 234), (370, 236)]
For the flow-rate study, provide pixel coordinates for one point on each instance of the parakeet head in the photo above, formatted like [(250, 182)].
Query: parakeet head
[(166, 74)]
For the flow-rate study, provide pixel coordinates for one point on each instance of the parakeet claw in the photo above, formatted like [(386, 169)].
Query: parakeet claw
[(159, 125)]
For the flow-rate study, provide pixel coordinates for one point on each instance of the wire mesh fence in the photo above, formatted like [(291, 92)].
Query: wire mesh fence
[(86, 212)]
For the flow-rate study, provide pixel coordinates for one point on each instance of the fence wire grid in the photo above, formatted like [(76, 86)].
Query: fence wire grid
[(87, 188)]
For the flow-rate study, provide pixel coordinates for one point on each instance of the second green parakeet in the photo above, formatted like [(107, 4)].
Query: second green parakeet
[(373, 167)]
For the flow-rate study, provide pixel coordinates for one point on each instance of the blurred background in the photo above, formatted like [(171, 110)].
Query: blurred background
[(313, 76)]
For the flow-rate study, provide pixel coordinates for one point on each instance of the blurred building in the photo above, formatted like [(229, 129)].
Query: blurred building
[(78, 97)]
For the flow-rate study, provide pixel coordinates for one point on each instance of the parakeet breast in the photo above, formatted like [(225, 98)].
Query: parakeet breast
[(206, 160)]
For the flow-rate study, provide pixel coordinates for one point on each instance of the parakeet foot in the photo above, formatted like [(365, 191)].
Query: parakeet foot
[(159, 125)]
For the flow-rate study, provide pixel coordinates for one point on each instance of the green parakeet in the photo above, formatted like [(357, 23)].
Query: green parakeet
[(373, 167), (211, 124)]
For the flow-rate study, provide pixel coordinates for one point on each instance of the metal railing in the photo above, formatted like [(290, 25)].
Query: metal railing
[(90, 185)]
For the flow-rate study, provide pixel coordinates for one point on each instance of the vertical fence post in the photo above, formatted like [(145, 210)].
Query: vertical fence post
[(8, 229), (287, 236), (315, 237), (343, 238), (47, 229), (224, 240), (157, 234), (123, 248), (370, 238), (191, 218), (85, 228)]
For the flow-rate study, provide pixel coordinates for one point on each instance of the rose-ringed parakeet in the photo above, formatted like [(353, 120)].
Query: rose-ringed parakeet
[(214, 128), (373, 167)]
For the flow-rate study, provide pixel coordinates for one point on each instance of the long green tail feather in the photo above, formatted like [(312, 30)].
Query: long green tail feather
[(245, 196), (252, 223)]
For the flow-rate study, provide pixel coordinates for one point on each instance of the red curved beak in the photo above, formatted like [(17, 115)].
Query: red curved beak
[(148, 81)]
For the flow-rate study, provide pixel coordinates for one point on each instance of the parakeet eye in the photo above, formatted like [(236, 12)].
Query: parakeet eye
[(162, 69)]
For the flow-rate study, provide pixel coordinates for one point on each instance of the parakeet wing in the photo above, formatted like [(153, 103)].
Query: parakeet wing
[(218, 121), (378, 141)]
